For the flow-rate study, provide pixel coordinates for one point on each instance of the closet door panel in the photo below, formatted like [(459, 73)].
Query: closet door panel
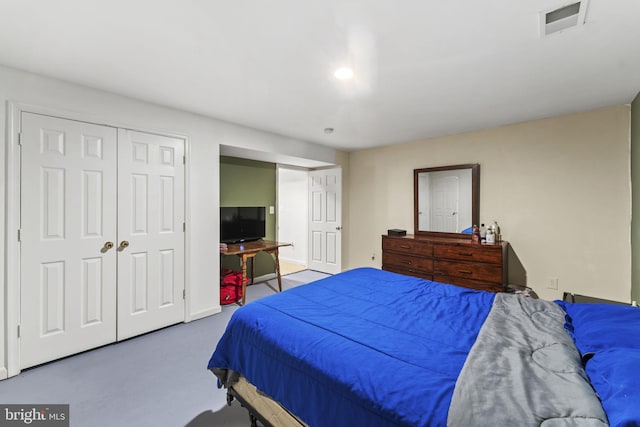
[(150, 221), (67, 214)]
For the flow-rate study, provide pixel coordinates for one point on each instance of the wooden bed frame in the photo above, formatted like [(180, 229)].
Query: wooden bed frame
[(260, 407)]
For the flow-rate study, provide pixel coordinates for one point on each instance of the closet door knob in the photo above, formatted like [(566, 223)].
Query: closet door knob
[(123, 245), (107, 246)]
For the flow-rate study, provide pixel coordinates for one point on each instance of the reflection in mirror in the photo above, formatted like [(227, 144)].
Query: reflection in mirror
[(446, 199)]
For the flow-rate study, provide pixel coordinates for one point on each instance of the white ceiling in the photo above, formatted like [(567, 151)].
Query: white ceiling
[(422, 68)]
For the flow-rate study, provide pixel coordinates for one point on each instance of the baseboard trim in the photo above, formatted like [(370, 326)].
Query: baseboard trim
[(4, 374), (264, 278), (204, 313), (293, 261)]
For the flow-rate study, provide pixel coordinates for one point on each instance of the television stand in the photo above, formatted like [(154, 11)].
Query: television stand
[(246, 250), (241, 241)]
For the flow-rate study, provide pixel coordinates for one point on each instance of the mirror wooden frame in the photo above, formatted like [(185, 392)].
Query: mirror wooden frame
[(475, 199)]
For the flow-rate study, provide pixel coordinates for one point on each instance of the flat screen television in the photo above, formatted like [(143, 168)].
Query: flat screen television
[(242, 223)]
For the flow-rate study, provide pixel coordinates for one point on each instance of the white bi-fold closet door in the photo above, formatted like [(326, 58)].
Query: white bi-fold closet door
[(101, 235)]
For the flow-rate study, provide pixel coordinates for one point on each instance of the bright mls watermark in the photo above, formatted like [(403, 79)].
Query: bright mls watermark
[(34, 415)]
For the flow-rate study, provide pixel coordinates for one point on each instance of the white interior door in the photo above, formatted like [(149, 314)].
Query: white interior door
[(325, 220), (101, 235), (150, 232), (445, 195), (68, 214)]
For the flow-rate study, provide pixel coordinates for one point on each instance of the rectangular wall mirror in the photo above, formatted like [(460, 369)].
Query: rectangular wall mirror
[(446, 199)]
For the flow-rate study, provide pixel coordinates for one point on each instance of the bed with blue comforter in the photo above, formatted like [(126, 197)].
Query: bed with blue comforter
[(373, 348)]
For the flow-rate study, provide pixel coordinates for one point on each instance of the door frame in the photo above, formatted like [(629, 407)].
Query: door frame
[(304, 216), (12, 222)]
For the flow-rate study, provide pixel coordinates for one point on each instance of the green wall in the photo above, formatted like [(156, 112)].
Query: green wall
[(635, 199), (249, 183)]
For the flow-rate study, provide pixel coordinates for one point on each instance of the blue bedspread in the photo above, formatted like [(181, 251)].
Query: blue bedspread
[(404, 339)]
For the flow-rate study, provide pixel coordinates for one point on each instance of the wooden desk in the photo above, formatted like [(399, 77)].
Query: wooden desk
[(248, 250)]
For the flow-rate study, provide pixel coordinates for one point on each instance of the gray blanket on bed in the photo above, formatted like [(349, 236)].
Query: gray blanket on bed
[(524, 370)]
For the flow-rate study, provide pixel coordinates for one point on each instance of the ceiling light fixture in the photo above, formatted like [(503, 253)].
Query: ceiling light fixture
[(343, 73)]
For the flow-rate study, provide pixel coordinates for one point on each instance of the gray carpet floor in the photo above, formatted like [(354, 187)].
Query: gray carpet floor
[(157, 379)]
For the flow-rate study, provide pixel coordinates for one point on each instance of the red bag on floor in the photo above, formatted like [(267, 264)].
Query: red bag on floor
[(230, 287)]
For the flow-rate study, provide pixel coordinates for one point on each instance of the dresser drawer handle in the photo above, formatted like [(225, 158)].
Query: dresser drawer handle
[(405, 246), (407, 262), (465, 253), (465, 272)]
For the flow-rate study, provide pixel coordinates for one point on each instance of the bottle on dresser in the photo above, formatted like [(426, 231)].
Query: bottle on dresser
[(491, 238), (475, 236), (496, 231)]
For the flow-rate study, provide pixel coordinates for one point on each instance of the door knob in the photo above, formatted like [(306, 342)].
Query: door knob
[(338, 228), (107, 246), (123, 245)]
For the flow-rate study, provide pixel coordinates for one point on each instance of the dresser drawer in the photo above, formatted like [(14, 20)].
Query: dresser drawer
[(410, 246), (476, 253), (407, 262), (468, 270), (414, 273), (468, 283)]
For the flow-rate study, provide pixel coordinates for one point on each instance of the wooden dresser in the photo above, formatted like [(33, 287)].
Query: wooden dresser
[(447, 260)]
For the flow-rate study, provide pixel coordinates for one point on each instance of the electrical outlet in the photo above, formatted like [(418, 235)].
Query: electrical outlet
[(552, 283)]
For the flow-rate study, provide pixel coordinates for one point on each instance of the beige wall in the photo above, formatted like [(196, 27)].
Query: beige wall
[(559, 188), (635, 179)]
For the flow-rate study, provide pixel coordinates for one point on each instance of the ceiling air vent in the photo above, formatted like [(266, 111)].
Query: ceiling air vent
[(562, 18)]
